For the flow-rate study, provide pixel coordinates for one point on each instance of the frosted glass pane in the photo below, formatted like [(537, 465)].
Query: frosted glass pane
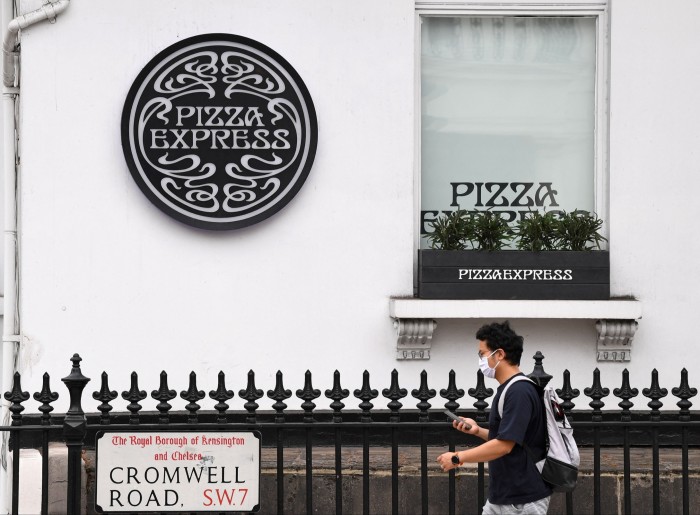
[(507, 101)]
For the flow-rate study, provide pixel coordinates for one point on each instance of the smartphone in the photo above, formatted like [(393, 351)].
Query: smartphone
[(455, 417)]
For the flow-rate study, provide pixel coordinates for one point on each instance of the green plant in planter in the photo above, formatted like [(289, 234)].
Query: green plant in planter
[(451, 232), (490, 231), (579, 230), (487, 230), (537, 231), (481, 230)]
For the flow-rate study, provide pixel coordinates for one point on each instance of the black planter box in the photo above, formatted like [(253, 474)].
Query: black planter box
[(513, 274)]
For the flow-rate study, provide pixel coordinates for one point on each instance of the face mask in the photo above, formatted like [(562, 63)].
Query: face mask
[(484, 365)]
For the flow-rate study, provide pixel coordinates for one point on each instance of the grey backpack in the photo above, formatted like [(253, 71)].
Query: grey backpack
[(559, 468)]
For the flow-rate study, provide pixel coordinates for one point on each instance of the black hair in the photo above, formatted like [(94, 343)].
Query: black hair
[(501, 336)]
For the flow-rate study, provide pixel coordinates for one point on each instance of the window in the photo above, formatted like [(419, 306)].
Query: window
[(513, 111)]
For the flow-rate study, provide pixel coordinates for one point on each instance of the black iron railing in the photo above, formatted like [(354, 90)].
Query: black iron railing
[(397, 425)]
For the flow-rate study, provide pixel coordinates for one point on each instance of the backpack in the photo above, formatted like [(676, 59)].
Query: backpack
[(559, 468)]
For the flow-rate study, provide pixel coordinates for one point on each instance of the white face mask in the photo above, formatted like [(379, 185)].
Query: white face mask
[(484, 365)]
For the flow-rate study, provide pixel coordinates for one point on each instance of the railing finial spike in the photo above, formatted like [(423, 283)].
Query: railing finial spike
[(655, 393), (423, 394), (337, 394), (625, 392), (452, 393), (366, 394), (480, 393), (394, 393), (684, 392)]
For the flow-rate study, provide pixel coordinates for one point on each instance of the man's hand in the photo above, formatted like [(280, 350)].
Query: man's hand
[(466, 422), (475, 430), (445, 461)]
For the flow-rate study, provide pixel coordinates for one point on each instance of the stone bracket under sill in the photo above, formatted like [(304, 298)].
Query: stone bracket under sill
[(415, 320)]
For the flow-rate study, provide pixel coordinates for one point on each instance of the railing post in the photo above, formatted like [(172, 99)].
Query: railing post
[(538, 374), (16, 397), (74, 429)]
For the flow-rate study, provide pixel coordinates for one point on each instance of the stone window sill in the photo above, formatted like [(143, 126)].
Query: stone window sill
[(415, 320)]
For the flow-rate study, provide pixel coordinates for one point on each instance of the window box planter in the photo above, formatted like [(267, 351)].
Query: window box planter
[(513, 274)]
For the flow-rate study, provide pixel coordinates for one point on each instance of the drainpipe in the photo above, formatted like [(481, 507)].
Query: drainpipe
[(10, 95), (48, 11)]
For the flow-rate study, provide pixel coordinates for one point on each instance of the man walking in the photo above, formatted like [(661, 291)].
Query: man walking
[(515, 484)]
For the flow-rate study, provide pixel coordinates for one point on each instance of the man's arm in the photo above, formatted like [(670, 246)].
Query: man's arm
[(491, 450)]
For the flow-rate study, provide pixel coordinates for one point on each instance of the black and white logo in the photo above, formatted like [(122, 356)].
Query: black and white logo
[(219, 131)]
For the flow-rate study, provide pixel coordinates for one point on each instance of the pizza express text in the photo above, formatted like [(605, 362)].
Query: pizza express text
[(218, 128)]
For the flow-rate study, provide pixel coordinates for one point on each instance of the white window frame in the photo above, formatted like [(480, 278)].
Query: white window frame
[(592, 8)]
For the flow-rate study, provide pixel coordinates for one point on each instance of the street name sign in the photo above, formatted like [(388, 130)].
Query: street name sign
[(177, 471)]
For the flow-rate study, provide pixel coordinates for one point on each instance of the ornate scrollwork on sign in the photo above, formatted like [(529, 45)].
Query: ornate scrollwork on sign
[(219, 131)]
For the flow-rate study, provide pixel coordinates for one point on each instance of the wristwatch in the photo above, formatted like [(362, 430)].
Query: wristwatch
[(455, 459)]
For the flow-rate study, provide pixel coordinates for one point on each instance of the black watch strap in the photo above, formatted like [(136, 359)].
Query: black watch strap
[(455, 459)]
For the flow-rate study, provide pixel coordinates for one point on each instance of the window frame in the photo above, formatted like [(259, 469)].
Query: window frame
[(589, 8)]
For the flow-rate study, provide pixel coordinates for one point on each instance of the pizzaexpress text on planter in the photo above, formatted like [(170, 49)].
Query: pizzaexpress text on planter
[(514, 274)]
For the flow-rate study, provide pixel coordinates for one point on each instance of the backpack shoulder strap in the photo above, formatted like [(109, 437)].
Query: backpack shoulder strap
[(502, 399)]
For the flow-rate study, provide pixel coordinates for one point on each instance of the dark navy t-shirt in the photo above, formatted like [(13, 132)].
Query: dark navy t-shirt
[(514, 478)]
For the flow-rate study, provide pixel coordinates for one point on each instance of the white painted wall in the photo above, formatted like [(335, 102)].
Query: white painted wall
[(654, 165), (105, 274)]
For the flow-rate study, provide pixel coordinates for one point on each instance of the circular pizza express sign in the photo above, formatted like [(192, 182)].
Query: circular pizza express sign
[(219, 131)]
